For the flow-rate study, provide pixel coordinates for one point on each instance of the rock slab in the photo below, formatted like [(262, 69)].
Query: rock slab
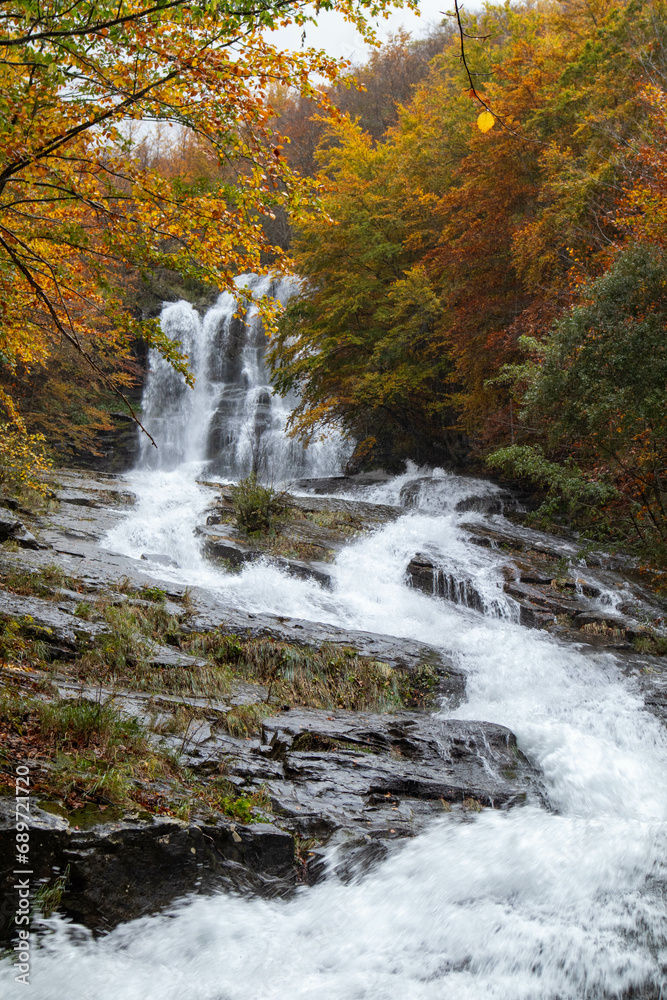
[(121, 870)]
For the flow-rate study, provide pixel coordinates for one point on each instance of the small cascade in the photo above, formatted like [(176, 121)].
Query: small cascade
[(482, 592), (459, 591), (231, 420)]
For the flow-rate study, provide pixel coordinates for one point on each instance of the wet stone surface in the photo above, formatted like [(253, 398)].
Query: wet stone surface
[(120, 869), (355, 781), (302, 543), (385, 775)]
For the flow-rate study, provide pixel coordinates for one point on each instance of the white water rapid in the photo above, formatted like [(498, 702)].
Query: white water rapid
[(566, 903)]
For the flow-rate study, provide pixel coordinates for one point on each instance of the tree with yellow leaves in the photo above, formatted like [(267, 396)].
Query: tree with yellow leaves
[(79, 207)]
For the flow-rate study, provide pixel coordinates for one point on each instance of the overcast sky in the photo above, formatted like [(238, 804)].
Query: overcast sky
[(338, 38)]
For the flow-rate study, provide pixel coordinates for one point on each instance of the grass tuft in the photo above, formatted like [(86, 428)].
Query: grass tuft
[(257, 508), (43, 582)]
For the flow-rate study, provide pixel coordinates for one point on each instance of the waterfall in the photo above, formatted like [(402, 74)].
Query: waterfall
[(231, 421)]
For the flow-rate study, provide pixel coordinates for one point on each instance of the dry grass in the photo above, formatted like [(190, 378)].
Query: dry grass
[(329, 677), (601, 628), (45, 582)]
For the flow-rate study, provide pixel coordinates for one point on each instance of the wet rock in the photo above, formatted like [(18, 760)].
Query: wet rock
[(305, 570), (517, 539), (61, 630), (649, 673), (9, 523), (421, 574), (76, 497), (424, 575), (233, 548), (159, 559), (128, 868), (343, 484), (535, 602), (228, 546), (484, 504), (10, 502), (334, 519), (401, 654), (340, 774), (604, 622), (545, 573), (426, 493), (165, 656), (359, 511), (12, 528), (95, 498)]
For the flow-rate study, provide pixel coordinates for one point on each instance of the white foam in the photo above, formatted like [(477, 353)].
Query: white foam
[(522, 905)]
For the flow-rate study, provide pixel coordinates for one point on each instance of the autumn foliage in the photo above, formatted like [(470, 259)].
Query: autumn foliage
[(479, 220), (83, 210)]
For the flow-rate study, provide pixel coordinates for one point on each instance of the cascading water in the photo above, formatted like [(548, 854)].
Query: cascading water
[(560, 903), (231, 421)]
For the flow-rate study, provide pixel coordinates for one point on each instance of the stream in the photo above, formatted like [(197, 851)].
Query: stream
[(565, 901)]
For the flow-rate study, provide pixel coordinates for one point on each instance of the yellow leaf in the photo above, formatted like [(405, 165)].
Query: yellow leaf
[(485, 121)]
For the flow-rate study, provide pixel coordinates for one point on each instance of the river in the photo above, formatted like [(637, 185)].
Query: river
[(563, 902)]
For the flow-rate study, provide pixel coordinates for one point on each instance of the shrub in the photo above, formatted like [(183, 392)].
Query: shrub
[(257, 507)]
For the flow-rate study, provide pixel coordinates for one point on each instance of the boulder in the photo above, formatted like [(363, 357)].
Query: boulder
[(352, 778), (12, 528), (57, 626), (424, 575), (159, 559), (121, 869)]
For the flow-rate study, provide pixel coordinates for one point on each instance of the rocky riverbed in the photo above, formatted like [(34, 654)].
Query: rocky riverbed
[(250, 750)]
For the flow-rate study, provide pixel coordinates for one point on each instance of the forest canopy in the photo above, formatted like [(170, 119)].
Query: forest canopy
[(501, 291)]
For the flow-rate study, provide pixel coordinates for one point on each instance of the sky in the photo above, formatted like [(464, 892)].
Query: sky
[(338, 38)]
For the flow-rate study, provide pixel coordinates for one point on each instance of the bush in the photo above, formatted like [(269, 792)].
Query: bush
[(257, 507), (569, 490)]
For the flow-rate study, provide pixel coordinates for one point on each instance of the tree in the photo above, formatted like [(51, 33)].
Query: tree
[(642, 209), (356, 345), (596, 386), (78, 204), (502, 226)]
